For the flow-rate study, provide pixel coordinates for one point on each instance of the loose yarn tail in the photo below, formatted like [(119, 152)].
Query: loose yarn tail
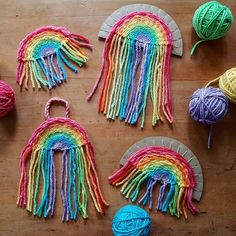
[(196, 45), (209, 142), (213, 81)]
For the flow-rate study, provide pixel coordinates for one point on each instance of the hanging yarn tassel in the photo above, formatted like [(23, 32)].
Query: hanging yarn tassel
[(131, 221), (211, 20), (158, 164), (78, 169), (138, 40), (7, 98), (44, 52), (208, 106)]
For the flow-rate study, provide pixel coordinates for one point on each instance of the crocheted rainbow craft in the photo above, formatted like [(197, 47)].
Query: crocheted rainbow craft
[(43, 52), (139, 40), (37, 188), (180, 176)]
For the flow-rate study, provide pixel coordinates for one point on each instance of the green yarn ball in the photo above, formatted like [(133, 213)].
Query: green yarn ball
[(211, 21)]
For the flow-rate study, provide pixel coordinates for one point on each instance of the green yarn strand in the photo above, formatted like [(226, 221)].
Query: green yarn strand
[(195, 46), (82, 193)]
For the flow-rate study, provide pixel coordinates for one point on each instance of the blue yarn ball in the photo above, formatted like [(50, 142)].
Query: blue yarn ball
[(131, 221)]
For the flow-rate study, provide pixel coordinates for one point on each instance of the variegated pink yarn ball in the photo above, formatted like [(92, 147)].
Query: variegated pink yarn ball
[(7, 98)]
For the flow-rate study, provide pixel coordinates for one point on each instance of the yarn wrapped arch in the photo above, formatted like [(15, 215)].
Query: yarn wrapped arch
[(121, 12)]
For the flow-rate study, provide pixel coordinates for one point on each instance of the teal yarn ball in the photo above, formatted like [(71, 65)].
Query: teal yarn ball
[(131, 221), (211, 20)]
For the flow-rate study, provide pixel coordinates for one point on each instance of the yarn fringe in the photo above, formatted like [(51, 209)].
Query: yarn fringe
[(51, 66), (78, 168), (176, 200), (124, 96)]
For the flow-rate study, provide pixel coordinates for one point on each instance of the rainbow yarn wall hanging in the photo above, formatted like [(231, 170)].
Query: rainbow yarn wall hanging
[(164, 160), (43, 54), (138, 37), (37, 188)]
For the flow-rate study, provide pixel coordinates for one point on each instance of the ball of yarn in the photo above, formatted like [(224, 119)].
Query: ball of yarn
[(211, 21), (208, 105), (7, 98), (131, 221), (227, 83)]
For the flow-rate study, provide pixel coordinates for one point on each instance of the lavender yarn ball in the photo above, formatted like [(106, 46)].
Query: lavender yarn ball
[(208, 105)]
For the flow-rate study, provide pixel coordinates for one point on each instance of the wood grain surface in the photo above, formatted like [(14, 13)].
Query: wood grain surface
[(111, 139)]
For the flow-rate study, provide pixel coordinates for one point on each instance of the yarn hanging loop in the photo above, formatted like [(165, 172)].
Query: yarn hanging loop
[(53, 100), (211, 21), (132, 221), (7, 98)]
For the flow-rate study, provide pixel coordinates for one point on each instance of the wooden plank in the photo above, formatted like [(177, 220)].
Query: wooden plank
[(111, 139)]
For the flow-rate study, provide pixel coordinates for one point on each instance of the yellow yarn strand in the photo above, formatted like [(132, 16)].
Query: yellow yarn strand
[(227, 83), (87, 179), (30, 191)]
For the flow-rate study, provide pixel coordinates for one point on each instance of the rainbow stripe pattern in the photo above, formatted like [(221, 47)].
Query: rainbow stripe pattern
[(136, 60), (43, 52), (158, 164), (37, 189)]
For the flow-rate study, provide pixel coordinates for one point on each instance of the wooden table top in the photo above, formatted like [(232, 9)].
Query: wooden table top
[(111, 139)]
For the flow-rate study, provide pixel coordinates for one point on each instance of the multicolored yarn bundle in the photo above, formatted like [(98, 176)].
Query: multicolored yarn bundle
[(158, 164), (7, 98), (78, 169), (138, 40), (43, 52), (211, 20)]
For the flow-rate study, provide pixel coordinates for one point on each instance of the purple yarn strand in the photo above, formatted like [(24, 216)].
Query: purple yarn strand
[(54, 187), (66, 188), (151, 194), (134, 107), (56, 69), (210, 137), (62, 185), (161, 195), (50, 183), (138, 49), (143, 200)]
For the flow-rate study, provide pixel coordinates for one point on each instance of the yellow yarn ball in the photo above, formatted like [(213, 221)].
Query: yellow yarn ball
[(227, 83)]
